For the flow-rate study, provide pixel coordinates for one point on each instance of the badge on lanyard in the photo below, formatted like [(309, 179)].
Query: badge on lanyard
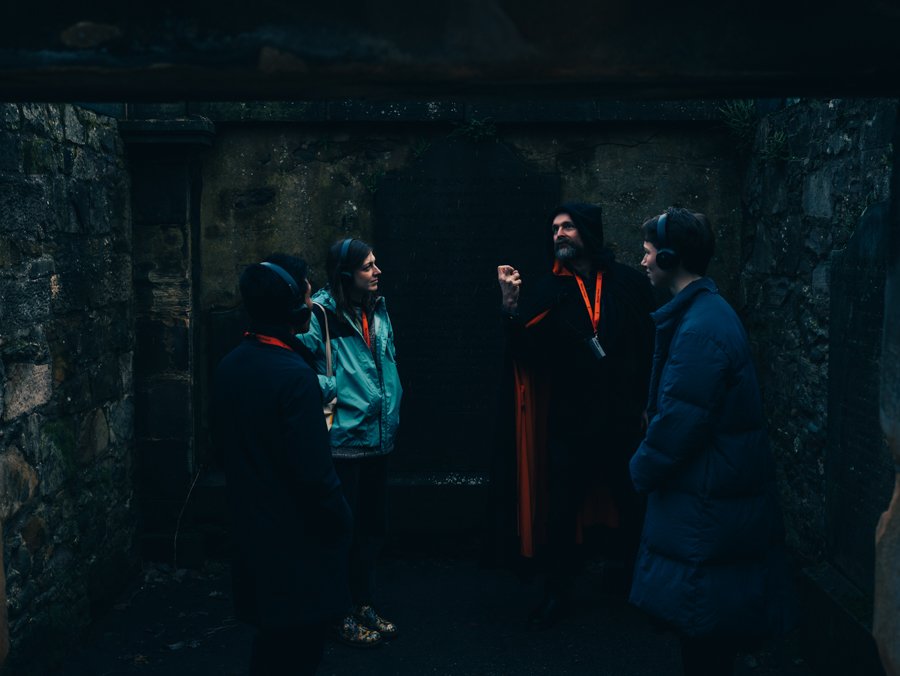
[(593, 341)]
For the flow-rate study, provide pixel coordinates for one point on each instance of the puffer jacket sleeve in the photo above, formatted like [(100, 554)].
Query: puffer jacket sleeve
[(315, 341), (690, 396)]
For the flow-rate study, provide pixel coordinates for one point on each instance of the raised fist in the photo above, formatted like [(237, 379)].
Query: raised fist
[(509, 286)]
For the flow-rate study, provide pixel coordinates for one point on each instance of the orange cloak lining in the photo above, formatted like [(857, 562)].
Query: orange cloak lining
[(532, 399)]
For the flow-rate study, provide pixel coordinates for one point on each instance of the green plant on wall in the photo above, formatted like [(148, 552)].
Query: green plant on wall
[(887, 160), (777, 149), (740, 120), (476, 130), (372, 183), (420, 147), (323, 141)]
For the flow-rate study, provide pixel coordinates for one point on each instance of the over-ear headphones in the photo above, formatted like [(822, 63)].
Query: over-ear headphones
[(343, 260), (298, 313), (666, 258)]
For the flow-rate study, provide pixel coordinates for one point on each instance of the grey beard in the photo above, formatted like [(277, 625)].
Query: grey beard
[(567, 252)]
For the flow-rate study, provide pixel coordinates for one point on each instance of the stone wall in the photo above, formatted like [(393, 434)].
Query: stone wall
[(297, 187), (67, 503), (835, 161)]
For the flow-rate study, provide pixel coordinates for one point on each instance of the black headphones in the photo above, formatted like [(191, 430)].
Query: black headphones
[(343, 261), (666, 258), (298, 313)]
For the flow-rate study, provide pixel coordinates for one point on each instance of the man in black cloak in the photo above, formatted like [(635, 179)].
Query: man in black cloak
[(580, 346)]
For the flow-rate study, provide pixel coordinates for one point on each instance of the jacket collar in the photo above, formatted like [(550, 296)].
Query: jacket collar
[(324, 298), (676, 307), (667, 319), (279, 332)]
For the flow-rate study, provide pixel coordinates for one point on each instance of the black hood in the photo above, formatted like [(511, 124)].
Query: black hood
[(589, 221)]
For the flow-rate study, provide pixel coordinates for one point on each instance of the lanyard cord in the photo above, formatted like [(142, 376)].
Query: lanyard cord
[(365, 323), (268, 340), (595, 313)]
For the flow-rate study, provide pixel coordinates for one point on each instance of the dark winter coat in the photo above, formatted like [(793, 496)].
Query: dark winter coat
[(289, 525), (712, 560)]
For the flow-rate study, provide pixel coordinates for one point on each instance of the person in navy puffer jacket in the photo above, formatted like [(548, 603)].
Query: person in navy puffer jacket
[(712, 565)]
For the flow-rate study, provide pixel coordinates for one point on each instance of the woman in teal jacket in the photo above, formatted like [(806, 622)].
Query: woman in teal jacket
[(365, 419)]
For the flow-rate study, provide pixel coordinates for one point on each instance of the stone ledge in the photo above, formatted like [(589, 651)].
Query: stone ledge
[(354, 110), (180, 132), (836, 637)]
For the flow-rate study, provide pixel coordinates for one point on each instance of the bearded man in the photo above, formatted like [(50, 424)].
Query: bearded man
[(581, 347)]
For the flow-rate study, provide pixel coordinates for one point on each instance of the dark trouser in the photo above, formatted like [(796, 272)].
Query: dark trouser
[(708, 656), (573, 468), (287, 652), (364, 482)]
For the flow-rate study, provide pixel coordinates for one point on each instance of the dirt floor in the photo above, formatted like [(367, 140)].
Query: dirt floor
[(455, 619)]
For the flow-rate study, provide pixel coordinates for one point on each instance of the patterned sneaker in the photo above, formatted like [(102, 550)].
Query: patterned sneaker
[(349, 632), (367, 617)]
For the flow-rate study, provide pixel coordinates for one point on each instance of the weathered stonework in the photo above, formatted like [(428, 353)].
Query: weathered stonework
[(67, 502), (796, 211)]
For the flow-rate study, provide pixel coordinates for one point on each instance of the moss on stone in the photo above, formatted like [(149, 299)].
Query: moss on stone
[(39, 157)]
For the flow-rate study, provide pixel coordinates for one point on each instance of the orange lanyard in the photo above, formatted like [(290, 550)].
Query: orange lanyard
[(595, 314), (366, 329), (268, 340)]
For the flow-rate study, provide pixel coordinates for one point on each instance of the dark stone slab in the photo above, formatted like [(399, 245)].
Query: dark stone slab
[(533, 111), (344, 49), (444, 225), (157, 111), (662, 111), (226, 329), (160, 194), (116, 110), (167, 132), (163, 409), (352, 110), (859, 472), (260, 111), (164, 473), (164, 348), (836, 634)]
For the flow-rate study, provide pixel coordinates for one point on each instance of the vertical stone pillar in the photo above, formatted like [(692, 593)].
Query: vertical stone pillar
[(164, 159), (886, 626)]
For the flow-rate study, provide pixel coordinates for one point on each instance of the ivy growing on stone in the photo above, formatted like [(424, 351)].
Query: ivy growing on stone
[(420, 147), (372, 183), (476, 130), (777, 149), (740, 119)]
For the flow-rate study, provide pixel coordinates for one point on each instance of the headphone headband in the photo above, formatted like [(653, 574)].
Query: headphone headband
[(295, 290), (343, 260), (667, 259), (298, 313), (661, 231)]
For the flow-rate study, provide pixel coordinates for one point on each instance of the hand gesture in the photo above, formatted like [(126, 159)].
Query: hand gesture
[(509, 286)]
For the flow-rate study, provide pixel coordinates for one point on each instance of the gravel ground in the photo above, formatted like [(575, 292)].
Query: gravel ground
[(454, 618)]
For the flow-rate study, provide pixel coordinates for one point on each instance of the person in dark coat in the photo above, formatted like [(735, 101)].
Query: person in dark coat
[(580, 350), (712, 564), (289, 524)]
